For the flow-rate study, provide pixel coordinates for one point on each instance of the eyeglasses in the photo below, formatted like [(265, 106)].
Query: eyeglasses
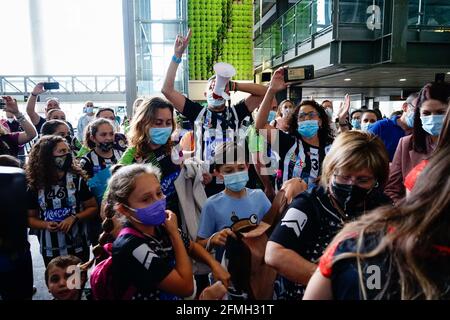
[(359, 181), (312, 114)]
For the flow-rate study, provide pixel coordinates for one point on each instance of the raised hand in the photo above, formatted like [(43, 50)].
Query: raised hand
[(38, 89), (181, 44), (343, 109), (11, 105), (277, 83)]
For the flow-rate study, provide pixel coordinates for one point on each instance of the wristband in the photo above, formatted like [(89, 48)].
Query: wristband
[(34, 95), (176, 59)]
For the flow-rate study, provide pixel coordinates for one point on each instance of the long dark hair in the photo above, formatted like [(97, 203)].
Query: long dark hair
[(438, 91), (325, 134), (41, 170)]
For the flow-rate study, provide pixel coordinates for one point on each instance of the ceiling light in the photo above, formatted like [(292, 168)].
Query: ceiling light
[(347, 79), (448, 72), (402, 79)]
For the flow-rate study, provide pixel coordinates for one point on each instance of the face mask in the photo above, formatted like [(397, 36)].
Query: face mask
[(366, 126), (153, 215), (69, 139), (160, 135), (10, 120), (215, 103), (432, 124), (329, 113), (64, 162), (356, 123), (236, 181), (105, 146), (348, 195), (410, 119), (272, 116), (308, 128), (89, 109)]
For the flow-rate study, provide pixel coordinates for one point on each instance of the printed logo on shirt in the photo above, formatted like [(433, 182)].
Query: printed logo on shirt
[(167, 183), (60, 194), (57, 215), (144, 255), (295, 219)]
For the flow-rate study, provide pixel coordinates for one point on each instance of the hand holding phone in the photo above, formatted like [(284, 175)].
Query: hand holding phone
[(51, 85)]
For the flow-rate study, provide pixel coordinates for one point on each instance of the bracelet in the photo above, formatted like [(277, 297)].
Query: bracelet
[(176, 59), (34, 95), (75, 218)]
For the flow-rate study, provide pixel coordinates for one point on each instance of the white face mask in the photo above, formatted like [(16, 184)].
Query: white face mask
[(329, 113), (215, 103), (10, 120)]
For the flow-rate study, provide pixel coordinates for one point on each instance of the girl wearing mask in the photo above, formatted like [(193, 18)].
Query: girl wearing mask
[(97, 163), (411, 150), (285, 109), (303, 149), (354, 173), (151, 128), (152, 255), (59, 200), (368, 119)]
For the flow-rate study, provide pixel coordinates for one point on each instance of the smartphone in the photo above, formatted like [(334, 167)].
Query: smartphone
[(51, 85), (292, 74)]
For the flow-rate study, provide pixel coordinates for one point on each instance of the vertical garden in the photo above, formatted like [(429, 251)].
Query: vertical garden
[(221, 32)]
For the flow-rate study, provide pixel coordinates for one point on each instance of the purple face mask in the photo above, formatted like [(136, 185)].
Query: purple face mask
[(153, 215)]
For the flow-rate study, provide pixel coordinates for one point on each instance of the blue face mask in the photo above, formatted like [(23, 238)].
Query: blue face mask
[(215, 103), (236, 181), (89, 109), (308, 128), (432, 124), (272, 116), (160, 135), (356, 123), (410, 119), (153, 215), (366, 126)]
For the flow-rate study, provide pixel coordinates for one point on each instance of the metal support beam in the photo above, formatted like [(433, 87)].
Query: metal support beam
[(130, 54)]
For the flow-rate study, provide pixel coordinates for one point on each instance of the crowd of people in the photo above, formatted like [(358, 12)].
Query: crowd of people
[(186, 201)]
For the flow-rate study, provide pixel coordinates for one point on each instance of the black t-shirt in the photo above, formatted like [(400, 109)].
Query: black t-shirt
[(380, 276), (212, 127), (309, 225), (55, 203), (144, 263), (300, 159), (92, 163)]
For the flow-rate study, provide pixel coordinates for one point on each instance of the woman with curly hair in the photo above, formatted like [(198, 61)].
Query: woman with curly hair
[(149, 142), (59, 200)]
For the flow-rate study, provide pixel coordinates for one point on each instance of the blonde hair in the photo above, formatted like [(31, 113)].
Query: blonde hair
[(356, 150)]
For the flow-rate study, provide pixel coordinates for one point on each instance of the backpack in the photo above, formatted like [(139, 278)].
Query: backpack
[(102, 283)]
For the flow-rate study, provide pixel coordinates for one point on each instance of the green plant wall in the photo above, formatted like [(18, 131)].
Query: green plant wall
[(222, 31)]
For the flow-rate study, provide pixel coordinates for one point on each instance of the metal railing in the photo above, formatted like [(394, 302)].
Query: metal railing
[(296, 25), (70, 84)]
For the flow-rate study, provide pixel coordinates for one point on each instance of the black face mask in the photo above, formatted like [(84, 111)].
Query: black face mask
[(69, 139), (349, 196), (64, 162), (105, 146)]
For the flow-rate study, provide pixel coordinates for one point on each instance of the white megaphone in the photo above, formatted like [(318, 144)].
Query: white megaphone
[(224, 72)]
